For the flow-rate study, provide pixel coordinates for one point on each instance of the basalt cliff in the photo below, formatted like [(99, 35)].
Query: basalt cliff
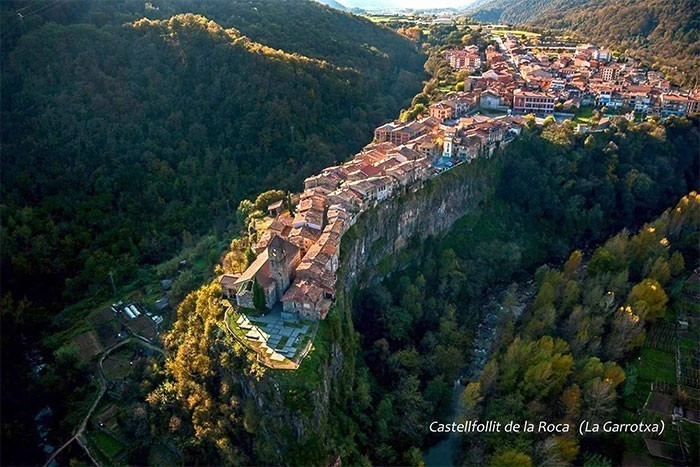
[(301, 416)]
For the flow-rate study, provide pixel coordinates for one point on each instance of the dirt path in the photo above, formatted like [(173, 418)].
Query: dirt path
[(78, 435)]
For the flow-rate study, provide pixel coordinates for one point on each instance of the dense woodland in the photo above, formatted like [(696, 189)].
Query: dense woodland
[(132, 129), (555, 190), (120, 139), (665, 34), (517, 11), (564, 360)]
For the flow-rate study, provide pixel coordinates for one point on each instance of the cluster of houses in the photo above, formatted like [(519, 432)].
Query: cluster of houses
[(527, 78), (298, 254), (468, 58)]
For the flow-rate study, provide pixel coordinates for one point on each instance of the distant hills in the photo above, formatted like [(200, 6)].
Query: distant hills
[(518, 11), (664, 33), (333, 4)]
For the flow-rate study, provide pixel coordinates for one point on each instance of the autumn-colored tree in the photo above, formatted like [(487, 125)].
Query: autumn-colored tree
[(572, 264), (470, 399), (571, 402), (511, 458), (648, 299)]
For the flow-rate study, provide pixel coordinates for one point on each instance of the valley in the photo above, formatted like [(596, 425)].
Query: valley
[(511, 244)]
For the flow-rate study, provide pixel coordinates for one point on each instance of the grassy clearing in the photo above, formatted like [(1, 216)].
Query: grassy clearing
[(110, 446), (517, 32), (118, 365), (687, 345), (657, 366), (584, 115), (446, 88), (232, 318)]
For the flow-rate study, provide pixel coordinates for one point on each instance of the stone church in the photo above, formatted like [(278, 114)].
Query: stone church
[(273, 270)]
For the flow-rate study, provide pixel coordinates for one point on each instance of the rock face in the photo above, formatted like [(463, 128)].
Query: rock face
[(298, 414), (418, 213)]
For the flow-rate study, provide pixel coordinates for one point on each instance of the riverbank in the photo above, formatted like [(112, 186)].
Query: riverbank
[(501, 305)]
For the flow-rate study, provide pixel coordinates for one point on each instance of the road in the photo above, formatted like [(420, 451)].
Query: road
[(78, 435)]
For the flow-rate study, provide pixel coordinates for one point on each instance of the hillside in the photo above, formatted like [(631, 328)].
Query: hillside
[(391, 350), (663, 33), (333, 4), (121, 138), (517, 11), (130, 133)]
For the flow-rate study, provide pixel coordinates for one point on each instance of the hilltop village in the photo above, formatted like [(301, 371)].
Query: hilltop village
[(298, 254)]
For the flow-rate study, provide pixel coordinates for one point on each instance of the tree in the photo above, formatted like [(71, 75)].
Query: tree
[(613, 374), (571, 402), (470, 399), (420, 98), (489, 376), (288, 204), (258, 296), (558, 450), (589, 143), (530, 122), (572, 264), (648, 299), (413, 458), (245, 208), (511, 458), (676, 263), (626, 333), (267, 198), (599, 401)]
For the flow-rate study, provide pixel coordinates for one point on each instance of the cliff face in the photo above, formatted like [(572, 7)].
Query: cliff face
[(368, 249), (301, 416)]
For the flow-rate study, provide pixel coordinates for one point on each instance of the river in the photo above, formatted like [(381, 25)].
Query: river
[(446, 451)]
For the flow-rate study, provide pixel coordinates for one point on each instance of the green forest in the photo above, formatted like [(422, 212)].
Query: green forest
[(131, 130), (662, 33), (132, 136), (563, 361)]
